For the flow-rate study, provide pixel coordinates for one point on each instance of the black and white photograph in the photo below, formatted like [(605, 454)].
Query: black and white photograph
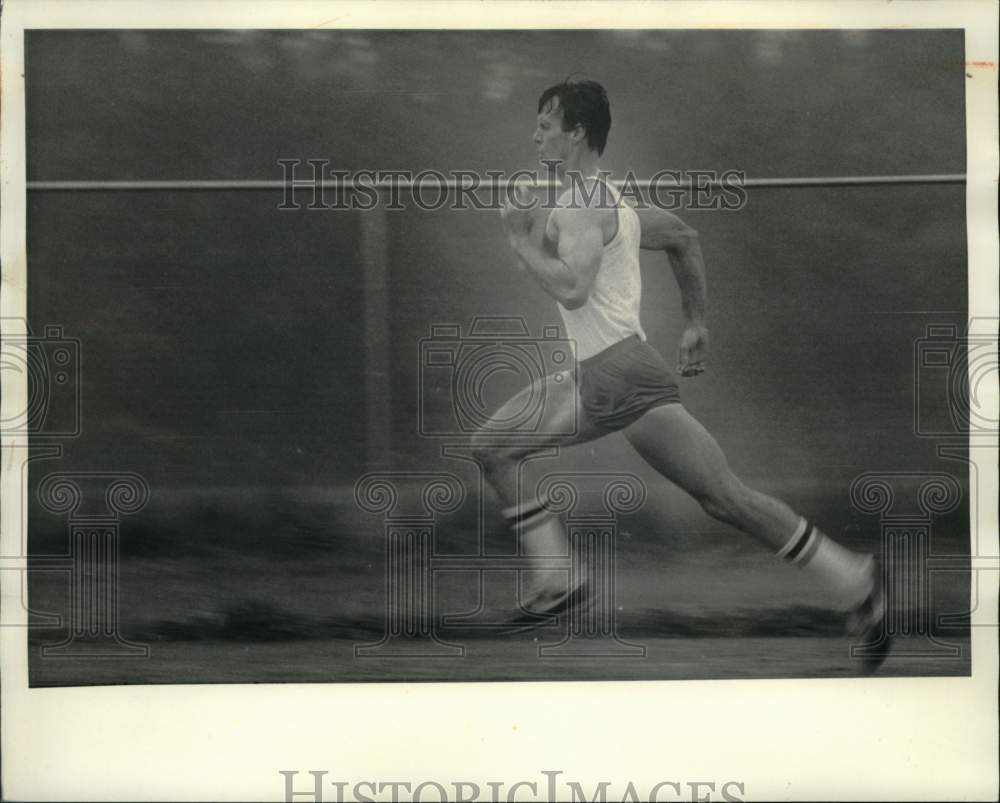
[(422, 355)]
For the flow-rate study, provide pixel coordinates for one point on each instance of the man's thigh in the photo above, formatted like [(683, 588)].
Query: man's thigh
[(546, 413)]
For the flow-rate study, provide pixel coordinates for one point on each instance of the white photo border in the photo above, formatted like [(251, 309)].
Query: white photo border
[(847, 739)]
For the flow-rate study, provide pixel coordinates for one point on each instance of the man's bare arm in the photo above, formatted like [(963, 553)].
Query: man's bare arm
[(664, 231), (568, 276)]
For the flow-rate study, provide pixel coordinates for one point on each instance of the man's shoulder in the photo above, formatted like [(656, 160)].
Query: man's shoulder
[(575, 222), (584, 214), (594, 192)]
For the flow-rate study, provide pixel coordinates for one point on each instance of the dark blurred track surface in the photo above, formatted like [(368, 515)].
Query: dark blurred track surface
[(315, 661)]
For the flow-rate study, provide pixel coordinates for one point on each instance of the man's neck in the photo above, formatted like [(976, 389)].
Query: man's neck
[(586, 166)]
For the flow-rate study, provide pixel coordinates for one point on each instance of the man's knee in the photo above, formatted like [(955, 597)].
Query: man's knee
[(492, 456)]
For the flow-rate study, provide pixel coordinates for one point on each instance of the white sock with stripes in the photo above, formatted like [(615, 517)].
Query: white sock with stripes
[(845, 572)]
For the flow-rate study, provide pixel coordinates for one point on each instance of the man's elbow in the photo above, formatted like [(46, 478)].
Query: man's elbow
[(574, 299)]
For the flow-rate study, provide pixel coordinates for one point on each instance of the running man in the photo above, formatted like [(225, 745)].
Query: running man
[(585, 254)]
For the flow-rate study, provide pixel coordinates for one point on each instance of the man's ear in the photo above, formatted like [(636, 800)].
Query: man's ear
[(579, 134)]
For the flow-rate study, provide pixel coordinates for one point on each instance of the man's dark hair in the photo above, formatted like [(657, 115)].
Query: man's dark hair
[(583, 103)]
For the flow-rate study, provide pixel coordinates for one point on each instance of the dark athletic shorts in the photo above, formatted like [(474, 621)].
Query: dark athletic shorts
[(622, 382)]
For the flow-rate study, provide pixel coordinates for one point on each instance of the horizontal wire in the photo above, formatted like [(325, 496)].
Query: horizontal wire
[(452, 184)]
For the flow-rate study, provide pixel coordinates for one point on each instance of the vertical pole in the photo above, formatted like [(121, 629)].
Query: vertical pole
[(375, 265)]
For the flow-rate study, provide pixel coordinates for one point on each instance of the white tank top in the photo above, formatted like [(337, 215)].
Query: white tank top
[(611, 313)]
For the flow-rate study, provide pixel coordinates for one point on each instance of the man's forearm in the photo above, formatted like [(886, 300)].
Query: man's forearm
[(689, 271)]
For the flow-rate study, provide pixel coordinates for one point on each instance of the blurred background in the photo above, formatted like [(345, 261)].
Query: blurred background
[(223, 341)]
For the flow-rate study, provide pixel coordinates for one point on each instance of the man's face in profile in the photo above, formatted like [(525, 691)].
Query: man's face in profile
[(551, 142)]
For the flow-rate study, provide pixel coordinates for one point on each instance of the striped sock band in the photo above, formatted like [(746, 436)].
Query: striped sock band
[(527, 514), (802, 545), (846, 573)]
